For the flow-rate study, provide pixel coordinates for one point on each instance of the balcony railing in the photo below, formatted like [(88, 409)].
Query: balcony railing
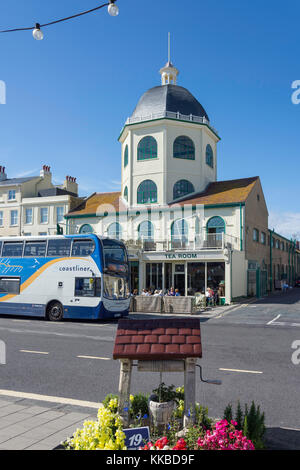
[(217, 241), (172, 115)]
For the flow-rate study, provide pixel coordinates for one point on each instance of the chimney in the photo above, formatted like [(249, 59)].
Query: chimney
[(45, 171), (71, 185), (3, 175)]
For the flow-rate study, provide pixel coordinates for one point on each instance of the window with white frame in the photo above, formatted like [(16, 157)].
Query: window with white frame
[(11, 194), (255, 235), (1, 218), (44, 215), (14, 217), (28, 216), (60, 214)]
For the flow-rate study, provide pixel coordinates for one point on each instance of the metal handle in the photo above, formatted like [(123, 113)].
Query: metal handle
[(213, 382)]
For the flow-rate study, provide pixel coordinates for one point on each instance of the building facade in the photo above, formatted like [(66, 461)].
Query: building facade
[(183, 228), (34, 205)]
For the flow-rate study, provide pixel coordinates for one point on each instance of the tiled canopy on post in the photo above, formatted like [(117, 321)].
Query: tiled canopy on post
[(167, 345), (165, 339)]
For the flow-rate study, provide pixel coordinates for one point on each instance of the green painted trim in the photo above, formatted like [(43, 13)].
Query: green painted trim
[(169, 119), (206, 206), (212, 217)]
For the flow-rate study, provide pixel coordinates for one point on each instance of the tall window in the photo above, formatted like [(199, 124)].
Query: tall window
[(11, 194), (126, 193), (13, 217), (146, 230), (182, 188), (179, 230), (215, 225), (147, 192), (115, 231), (147, 148), (255, 235), (126, 156), (28, 216), (44, 215), (184, 147), (60, 214), (1, 218), (209, 156)]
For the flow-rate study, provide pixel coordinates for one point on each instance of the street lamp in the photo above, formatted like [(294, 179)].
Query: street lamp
[(37, 33), (113, 10)]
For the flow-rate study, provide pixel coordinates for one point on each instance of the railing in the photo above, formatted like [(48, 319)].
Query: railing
[(172, 115), (215, 241)]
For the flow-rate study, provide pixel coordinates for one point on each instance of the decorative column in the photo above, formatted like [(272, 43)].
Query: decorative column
[(124, 390), (189, 391)]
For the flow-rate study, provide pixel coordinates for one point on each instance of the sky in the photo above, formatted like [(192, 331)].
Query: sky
[(68, 96)]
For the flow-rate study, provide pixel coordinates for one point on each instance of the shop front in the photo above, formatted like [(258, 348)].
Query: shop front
[(189, 273)]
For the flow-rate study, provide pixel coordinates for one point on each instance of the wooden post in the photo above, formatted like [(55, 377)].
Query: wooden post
[(124, 390), (189, 390)]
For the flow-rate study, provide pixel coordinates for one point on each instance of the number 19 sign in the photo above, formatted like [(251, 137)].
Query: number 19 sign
[(136, 437)]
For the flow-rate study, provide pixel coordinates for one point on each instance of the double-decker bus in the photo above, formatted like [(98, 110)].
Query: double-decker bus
[(72, 276)]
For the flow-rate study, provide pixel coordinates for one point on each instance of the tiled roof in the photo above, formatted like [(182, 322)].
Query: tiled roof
[(92, 205), (222, 192), (162, 339), (15, 181)]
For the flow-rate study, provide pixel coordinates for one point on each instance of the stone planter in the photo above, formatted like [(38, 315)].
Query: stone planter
[(161, 412)]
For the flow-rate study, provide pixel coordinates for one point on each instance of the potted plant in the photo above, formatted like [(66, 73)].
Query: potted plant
[(162, 403)]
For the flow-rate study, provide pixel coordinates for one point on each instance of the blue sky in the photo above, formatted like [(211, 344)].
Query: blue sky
[(69, 95)]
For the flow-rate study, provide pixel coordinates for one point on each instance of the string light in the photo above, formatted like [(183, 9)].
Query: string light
[(38, 34)]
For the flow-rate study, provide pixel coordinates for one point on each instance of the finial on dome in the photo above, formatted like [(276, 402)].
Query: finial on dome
[(169, 72)]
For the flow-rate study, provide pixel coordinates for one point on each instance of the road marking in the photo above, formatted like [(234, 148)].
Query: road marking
[(274, 320), (23, 321), (51, 399), (54, 333), (282, 323), (244, 371), (95, 357), (33, 352)]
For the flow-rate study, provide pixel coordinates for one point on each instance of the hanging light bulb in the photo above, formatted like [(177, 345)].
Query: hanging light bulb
[(37, 33), (113, 10)]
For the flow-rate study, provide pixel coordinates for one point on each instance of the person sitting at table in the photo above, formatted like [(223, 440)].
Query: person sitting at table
[(171, 292), (177, 293)]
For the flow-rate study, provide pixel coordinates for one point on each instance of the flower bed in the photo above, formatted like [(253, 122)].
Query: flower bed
[(245, 432)]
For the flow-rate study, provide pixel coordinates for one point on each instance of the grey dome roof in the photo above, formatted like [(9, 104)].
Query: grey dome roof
[(172, 98)]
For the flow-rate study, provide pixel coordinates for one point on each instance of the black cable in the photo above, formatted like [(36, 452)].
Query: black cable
[(60, 20)]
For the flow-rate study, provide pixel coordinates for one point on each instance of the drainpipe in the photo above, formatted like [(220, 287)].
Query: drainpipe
[(289, 280), (241, 227), (271, 260)]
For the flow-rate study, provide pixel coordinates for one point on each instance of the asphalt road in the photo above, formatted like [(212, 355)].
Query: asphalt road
[(248, 348)]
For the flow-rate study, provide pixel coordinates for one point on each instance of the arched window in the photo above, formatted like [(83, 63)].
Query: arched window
[(146, 230), (215, 225), (126, 194), (86, 228), (147, 192), (179, 230), (126, 156), (182, 188), (114, 231), (184, 147), (147, 148), (209, 156)]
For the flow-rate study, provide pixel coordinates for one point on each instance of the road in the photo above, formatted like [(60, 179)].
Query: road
[(248, 348)]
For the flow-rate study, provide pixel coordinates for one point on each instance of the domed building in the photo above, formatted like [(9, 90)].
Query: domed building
[(183, 228)]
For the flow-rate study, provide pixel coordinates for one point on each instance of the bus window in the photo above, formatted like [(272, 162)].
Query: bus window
[(35, 249), (113, 251), (83, 247), (87, 287), (9, 285), (13, 249), (0, 247), (59, 247)]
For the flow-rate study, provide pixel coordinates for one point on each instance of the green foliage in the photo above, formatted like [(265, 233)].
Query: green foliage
[(251, 422), (108, 398), (164, 393), (139, 406), (228, 413)]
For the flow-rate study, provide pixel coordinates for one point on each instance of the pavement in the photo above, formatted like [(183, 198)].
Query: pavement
[(27, 424)]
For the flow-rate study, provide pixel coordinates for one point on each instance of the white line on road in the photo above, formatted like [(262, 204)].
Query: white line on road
[(274, 320), (51, 399), (33, 352), (282, 323), (244, 371), (95, 357)]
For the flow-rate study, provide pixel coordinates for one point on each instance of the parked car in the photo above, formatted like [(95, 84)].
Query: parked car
[(297, 283)]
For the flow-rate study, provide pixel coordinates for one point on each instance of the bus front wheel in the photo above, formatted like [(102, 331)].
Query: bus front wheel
[(55, 311)]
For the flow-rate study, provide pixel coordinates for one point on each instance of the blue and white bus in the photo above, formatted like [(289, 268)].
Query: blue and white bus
[(73, 276)]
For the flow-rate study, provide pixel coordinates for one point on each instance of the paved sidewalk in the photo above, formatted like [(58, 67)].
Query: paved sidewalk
[(38, 425)]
